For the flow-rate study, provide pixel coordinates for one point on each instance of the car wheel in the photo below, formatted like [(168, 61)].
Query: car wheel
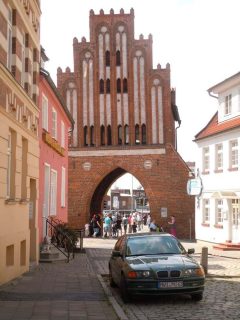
[(112, 283), (124, 291), (197, 296)]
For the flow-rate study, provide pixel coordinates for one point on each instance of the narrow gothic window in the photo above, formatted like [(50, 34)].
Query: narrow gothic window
[(109, 135), (119, 134), (144, 134), (118, 85), (126, 134), (92, 135), (137, 138), (118, 58), (108, 86), (101, 86), (102, 135), (107, 56), (85, 135), (125, 86)]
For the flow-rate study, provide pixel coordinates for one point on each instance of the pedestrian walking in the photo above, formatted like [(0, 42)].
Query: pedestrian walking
[(96, 223), (125, 223)]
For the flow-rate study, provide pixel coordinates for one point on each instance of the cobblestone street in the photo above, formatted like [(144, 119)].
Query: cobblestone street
[(221, 296)]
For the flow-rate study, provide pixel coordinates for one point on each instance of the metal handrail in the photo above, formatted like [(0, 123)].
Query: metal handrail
[(68, 244)]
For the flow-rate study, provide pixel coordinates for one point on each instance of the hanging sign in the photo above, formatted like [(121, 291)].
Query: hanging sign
[(194, 187)]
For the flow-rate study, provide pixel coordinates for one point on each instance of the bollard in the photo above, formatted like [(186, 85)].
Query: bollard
[(204, 259), (81, 241)]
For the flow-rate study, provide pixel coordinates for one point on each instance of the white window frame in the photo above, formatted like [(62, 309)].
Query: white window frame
[(206, 160), (219, 211), (9, 39), (53, 193), (54, 123), (228, 105), (236, 212), (206, 211), (63, 188), (62, 134), (218, 156), (44, 112), (233, 153)]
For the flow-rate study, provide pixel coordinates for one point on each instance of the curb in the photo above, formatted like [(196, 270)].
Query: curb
[(117, 308)]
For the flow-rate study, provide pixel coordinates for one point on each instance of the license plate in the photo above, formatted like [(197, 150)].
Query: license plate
[(171, 284)]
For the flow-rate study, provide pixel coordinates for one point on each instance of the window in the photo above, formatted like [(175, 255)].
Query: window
[(233, 148), (236, 212), (219, 157), (23, 61), (219, 211), (126, 134), (118, 86), (137, 138), (119, 134), (44, 113), (54, 124), (125, 86), (101, 86), (11, 164), (9, 39), (10, 255), (85, 135), (62, 134), (206, 210), (109, 135), (144, 134), (118, 58), (53, 193), (228, 105), (63, 188), (92, 135), (206, 159), (107, 56), (102, 135), (108, 86), (24, 169)]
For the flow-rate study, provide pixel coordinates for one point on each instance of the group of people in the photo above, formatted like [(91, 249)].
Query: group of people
[(114, 225), (155, 227)]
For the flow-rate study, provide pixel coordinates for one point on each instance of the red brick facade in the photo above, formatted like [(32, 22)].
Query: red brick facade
[(124, 122)]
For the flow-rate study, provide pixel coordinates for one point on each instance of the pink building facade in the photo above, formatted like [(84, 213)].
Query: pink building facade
[(55, 123)]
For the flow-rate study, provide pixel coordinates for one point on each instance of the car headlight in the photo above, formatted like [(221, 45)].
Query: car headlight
[(193, 272), (139, 274)]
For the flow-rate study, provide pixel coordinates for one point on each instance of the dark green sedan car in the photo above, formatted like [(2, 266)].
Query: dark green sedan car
[(154, 263)]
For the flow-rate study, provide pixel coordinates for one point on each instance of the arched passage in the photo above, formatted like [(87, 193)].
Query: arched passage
[(102, 188)]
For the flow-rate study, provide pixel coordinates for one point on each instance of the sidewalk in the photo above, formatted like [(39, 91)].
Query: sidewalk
[(57, 291)]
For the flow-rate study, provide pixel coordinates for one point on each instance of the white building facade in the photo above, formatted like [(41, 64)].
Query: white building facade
[(218, 166)]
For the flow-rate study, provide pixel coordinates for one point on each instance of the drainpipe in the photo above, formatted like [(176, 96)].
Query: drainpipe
[(179, 124)]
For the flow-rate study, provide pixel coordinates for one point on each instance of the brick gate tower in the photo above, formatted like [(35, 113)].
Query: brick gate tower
[(125, 113)]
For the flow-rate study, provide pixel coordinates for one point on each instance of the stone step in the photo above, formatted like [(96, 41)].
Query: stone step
[(227, 246), (52, 255)]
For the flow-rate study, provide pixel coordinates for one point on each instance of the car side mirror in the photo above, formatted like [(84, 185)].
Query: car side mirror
[(116, 253), (191, 251)]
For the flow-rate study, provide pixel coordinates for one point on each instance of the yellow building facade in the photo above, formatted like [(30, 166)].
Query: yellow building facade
[(19, 143)]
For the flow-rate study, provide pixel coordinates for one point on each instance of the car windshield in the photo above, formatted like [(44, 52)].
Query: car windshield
[(152, 245)]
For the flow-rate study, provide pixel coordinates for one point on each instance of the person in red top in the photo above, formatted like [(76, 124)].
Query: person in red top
[(172, 223)]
